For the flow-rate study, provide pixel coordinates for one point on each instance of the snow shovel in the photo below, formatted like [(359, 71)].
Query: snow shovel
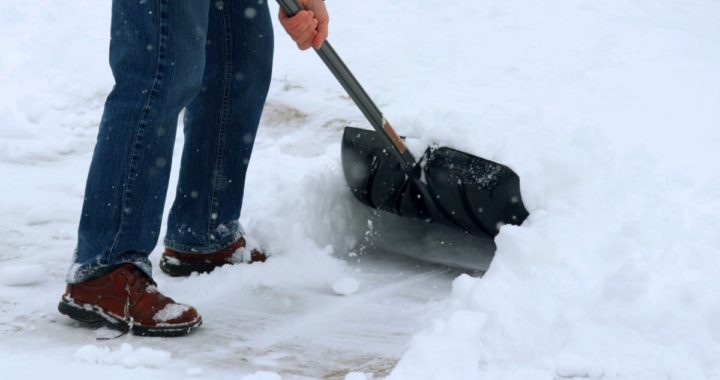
[(444, 186)]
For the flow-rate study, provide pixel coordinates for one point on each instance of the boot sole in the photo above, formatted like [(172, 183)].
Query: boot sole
[(94, 316), (181, 269)]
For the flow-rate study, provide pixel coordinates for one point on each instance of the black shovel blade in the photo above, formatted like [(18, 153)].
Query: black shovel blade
[(449, 187)]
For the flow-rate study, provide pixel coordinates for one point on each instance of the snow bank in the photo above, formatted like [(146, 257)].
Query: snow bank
[(42, 84), (614, 275)]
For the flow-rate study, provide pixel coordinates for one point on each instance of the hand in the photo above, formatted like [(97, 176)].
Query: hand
[(309, 27)]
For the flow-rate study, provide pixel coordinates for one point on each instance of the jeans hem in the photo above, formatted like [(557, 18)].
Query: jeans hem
[(82, 272), (210, 248)]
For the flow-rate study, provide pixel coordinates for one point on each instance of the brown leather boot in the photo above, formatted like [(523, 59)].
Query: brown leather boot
[(128, 300), (177, 263)]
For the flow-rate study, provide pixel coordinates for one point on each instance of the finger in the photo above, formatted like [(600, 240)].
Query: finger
[(307, 43), (298, 29), (291, 23), (302, 28), (322, 34), (285, 16), (307, 33), (323, 27), (301, 34)]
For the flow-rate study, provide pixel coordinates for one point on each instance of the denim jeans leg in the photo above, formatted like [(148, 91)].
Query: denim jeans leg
[(157, 56), (220, 127)]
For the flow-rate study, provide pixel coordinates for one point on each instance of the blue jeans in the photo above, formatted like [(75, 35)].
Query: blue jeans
[(212, 58)]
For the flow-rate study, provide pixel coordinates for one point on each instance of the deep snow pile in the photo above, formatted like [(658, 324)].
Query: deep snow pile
[(610, 113), (607, 110)]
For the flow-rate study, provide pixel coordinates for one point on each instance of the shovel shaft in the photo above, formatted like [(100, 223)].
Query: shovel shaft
[(359, 96)]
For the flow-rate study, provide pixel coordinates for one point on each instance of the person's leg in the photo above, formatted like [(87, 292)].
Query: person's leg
[(220, 127), (157, 56)]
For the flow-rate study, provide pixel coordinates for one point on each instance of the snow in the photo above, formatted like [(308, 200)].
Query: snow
[(608, 111), (358, 376), (125, 355), (170, 312), (262, 375), (346, 286), (194, 372), (15, 275)]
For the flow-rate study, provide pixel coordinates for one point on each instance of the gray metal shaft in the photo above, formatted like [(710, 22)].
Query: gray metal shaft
[(357, 93)]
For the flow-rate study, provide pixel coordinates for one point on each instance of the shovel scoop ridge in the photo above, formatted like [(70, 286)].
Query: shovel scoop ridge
[(451, 187)]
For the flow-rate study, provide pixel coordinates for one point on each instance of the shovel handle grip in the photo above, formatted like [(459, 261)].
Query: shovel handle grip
[(359, 96)]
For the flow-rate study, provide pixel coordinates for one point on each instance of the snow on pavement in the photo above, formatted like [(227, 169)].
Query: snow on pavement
[(608, 112)]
